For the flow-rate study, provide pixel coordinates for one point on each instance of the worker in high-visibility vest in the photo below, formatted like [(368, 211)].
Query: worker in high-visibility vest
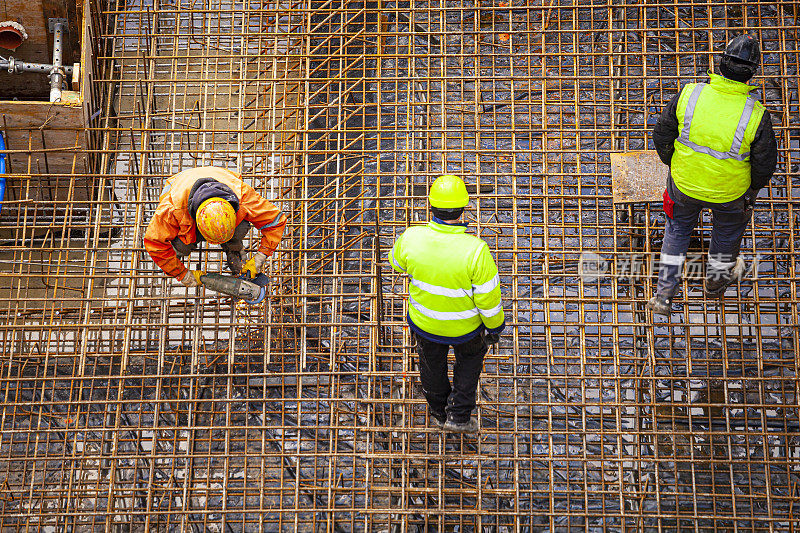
[(454, 300), (214, 205), (721, 150)]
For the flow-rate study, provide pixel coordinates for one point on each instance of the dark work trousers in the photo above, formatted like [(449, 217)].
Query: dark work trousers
[(459, 401), (729, 222), (233, 249)]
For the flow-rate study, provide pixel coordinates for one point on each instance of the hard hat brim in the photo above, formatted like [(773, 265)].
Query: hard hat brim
[(449, 204)]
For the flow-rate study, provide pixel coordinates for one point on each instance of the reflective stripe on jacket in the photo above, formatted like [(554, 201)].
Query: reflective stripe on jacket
[(454, 288), (172, 218), (718, 123)]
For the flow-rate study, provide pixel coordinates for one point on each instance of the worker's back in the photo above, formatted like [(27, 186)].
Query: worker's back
[(454, 300), (179, 186), (454, 285), (184, 192), (718, 123), (720, 147)]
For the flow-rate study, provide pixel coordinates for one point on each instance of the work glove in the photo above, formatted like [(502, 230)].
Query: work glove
[(255, 265), (492, 338), (192, 278)]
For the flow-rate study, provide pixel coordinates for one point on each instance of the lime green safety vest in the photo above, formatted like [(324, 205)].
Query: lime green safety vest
[(454, 286), (717, 124)]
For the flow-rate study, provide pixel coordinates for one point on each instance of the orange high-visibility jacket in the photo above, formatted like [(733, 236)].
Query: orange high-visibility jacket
[(172, 218)]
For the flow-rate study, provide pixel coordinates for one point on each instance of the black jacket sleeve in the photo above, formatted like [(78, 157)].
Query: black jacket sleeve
[(666, 130), (763, 154)]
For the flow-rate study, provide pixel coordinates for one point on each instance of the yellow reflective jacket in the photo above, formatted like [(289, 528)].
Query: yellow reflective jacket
[(717, 125), (454, 290)]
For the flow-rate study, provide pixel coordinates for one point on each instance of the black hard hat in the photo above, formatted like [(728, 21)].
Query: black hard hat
[(744, 48)]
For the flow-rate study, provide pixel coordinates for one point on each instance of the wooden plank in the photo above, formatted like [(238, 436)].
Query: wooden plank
[(49, 180), (637, 176), (87, 60), (48, 165), (63, 126), (37, 130)]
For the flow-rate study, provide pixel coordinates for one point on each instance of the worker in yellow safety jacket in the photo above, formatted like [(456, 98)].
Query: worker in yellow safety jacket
[(721, 150), (214, 205), (454, 300)]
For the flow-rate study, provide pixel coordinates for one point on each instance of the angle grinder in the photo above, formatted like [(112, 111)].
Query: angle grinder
[(251, 290)]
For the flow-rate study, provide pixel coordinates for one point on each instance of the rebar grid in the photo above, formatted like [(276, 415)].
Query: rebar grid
[(131, 402)]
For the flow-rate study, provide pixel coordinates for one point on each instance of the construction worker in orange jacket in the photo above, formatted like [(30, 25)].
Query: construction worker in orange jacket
[(214, 205)]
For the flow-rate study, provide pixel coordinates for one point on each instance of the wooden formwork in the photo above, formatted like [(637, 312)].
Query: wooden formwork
[(52, 201), (50, 165)]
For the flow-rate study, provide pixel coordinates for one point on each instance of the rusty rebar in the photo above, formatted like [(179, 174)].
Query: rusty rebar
[(130, 402)]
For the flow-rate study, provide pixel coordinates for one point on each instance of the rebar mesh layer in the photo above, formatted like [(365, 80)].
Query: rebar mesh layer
[(130, 402)]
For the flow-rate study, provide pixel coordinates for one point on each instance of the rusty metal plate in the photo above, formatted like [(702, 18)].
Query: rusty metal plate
[(637, 176)]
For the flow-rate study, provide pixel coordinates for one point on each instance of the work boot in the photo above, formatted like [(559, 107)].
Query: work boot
[(438, 419), (470, 426), (716, 286), (235, 261), (660, 305)]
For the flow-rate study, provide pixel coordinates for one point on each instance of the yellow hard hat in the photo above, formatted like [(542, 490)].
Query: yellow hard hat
[(216, 220), (448, 192)]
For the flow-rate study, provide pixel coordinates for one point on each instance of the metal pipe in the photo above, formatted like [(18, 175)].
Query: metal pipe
[(57, 72), (15, 66)]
